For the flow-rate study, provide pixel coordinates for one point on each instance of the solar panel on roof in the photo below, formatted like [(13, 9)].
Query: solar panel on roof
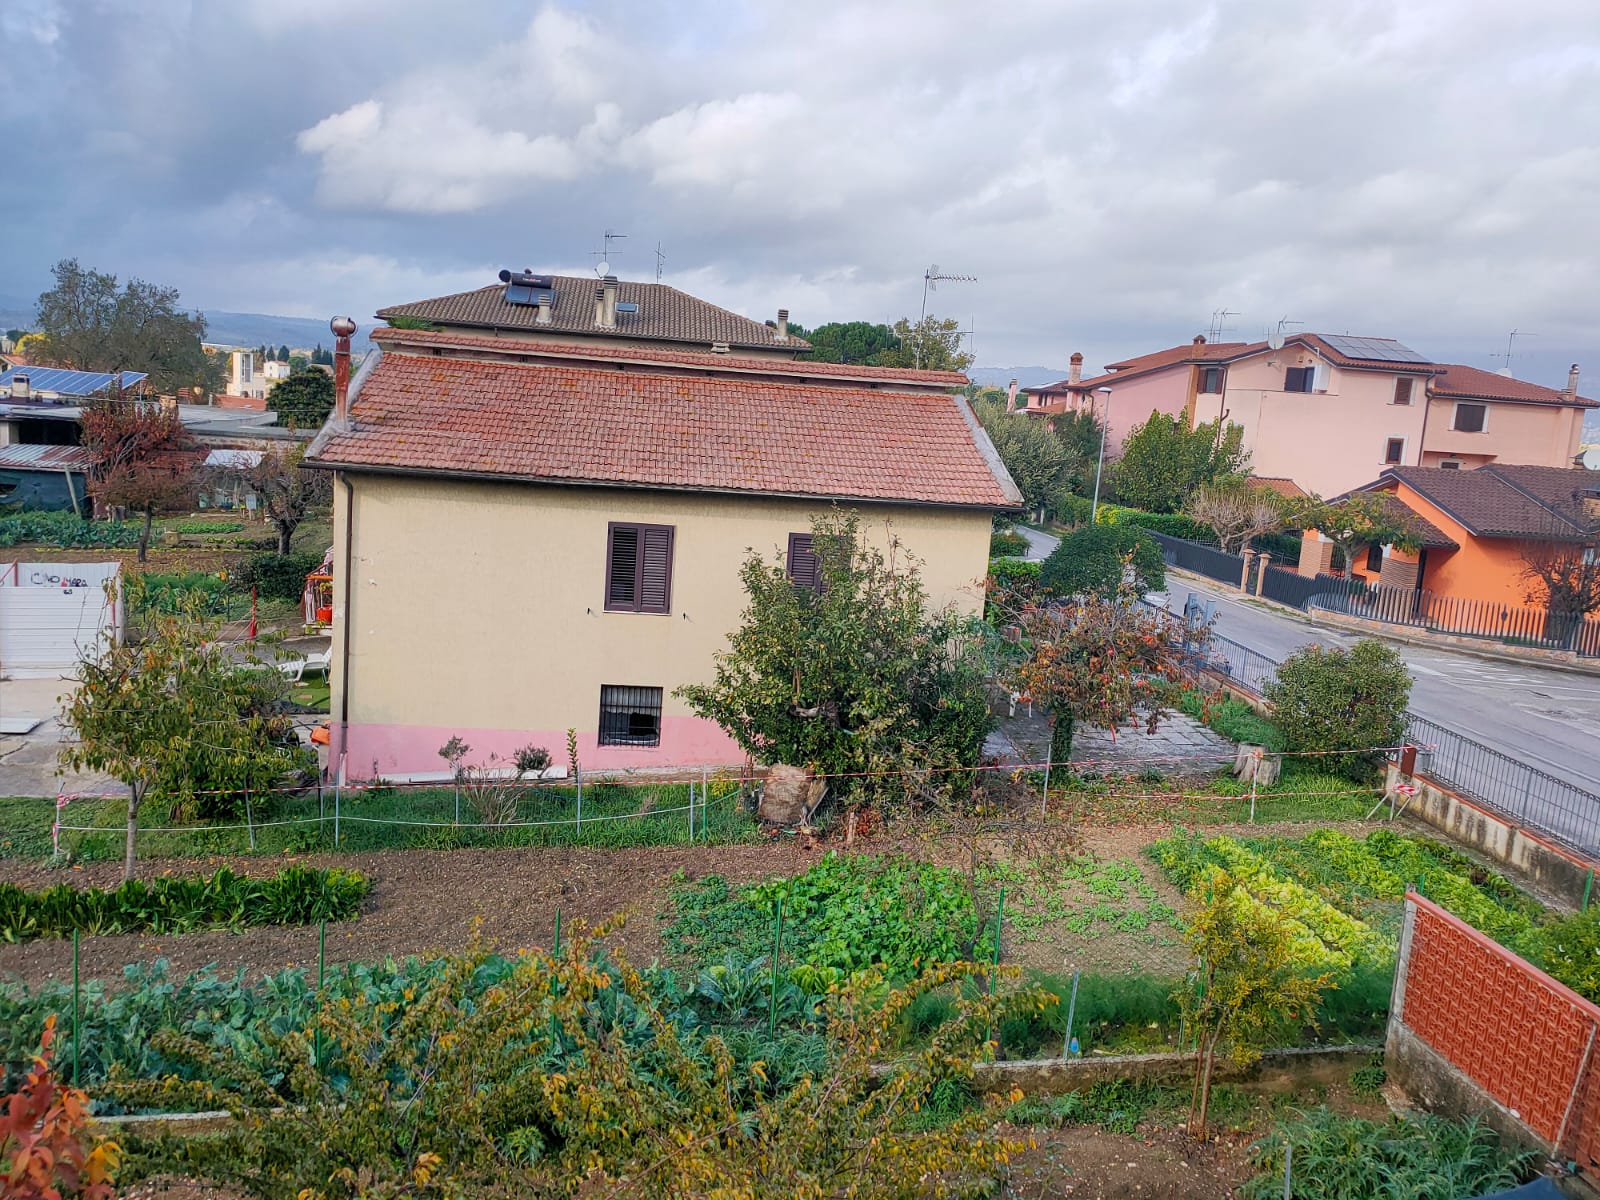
[(1373, 349), (69, 383), (528, 296), (628, 308)]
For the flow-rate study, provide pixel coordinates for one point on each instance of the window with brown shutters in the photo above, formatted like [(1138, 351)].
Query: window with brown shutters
[(639, 568), (804, 569), (1394, 451), (1402, 389), (1469, 418), (1298, 379), (1210, 380)]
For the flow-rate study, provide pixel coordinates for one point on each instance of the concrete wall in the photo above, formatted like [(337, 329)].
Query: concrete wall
[(1557, 873), (478, 609)]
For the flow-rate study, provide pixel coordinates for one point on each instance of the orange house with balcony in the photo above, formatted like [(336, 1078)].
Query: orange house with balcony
[(1477, 529)]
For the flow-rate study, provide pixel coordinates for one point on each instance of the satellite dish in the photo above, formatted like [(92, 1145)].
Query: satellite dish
[(602, 268), (1275, 339)]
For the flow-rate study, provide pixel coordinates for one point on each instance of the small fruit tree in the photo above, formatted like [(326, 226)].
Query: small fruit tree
[(169, 707), (842, 668), (1103, 661), (1246, 983)]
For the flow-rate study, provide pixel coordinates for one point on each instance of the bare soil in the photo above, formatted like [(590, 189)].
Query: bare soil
[(422, 902)]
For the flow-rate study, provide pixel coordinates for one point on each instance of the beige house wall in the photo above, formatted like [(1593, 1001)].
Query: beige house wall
[(1543, 435), (478, 609)]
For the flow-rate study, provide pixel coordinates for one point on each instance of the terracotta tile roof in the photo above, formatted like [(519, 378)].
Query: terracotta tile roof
[(664, 313), (1426, 532), (1470, 383), (1511, 501), (592, 423), (1287, 488), (743, 364)]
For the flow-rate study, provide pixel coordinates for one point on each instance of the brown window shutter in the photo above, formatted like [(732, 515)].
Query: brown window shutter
[(622, 568), (655, 569), (1402, 390), (804, 570)]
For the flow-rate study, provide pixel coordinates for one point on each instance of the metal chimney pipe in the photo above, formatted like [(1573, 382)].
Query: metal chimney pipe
[(1572, 383), (342, 328)]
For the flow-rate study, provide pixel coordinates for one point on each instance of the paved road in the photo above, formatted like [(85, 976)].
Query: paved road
[(1547, 718)]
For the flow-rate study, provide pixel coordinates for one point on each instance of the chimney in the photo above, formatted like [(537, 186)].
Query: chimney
[(609, 285), (783, 325), (1075, 371), (21, 388), (1572, 383), (1011, 397), (342, 328), (1199, 339), (600, 305), (544, 309)]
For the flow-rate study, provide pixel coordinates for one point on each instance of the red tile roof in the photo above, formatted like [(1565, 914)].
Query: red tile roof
[(1470, 383), (716, 362), (599, 423), (1286, 488)]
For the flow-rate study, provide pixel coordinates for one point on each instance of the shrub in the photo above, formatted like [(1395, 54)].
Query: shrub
[(276, 576), (176, 904), (67, 530), (531, 758), (1013, 585), (1570, 950), (1008, 544), (1090, 562), (207, 527), (46, 1149), (1072, 509), (1351, 703), (1423, 1158)]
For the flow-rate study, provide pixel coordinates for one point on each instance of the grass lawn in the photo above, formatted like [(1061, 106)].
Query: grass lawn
[(313, 693)]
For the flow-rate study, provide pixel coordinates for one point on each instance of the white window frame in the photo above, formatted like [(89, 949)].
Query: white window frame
[(1405, 445), (1456, 411)]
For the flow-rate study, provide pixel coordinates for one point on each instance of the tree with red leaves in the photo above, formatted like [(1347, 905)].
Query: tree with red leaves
[(140, 457)]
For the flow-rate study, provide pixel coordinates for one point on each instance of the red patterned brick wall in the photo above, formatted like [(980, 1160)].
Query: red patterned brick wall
[(1522, 1037)]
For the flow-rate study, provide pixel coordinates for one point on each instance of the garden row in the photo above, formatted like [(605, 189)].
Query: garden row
[(1345, 897), (173, 904)]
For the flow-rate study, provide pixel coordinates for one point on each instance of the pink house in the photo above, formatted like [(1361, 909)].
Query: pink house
[(1332, 411)]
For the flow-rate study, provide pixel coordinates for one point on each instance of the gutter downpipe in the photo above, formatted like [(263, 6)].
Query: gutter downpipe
[(342, 328)]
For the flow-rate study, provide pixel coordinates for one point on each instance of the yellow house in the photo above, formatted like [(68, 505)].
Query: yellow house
[(532, 535)]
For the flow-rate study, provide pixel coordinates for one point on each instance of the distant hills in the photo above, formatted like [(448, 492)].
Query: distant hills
[(262, 329), (1026, 377)]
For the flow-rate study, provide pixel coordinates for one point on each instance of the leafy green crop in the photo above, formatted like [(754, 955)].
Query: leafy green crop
[(176, 904), (847, 912), (66, 530)]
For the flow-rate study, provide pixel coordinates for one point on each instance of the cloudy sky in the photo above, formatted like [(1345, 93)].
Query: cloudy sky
[(1112, 172)]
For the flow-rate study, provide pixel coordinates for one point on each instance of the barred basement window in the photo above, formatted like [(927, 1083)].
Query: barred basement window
[(630, 716)]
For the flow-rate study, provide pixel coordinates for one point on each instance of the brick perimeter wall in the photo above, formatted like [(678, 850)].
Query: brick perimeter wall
[(1521, 1037)]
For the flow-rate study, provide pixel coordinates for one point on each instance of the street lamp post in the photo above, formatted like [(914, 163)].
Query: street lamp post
[(1100, 462)]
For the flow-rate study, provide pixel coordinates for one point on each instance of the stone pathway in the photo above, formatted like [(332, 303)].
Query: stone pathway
[(1180, 745)]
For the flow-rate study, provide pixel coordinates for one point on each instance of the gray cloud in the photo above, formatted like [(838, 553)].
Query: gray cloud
[(1112, 172)]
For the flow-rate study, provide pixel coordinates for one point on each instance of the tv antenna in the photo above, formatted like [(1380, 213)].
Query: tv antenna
[(661, 261), (1511, 340), (1218, 325), (931, 279), (1276, 333), (603, 267)]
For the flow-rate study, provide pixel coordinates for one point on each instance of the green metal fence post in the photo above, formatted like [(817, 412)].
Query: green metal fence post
[(1588, 883), (691, 810), (999, 922), (322, 962), (579, 775), (557, 949), (77, 1038), (705, 801), (777, 948)]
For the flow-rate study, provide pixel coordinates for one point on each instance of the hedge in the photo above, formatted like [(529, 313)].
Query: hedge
[(1007, 544), (1171, 524), (276, 576), (172, 904)]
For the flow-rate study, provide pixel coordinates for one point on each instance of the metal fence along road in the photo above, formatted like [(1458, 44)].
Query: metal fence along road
[(1534, 799)]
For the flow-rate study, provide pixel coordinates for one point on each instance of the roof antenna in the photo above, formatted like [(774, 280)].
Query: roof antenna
[(603, 267), (1217, 327), (1275, 335), (661, 261), (1505, 365), (931, 278)]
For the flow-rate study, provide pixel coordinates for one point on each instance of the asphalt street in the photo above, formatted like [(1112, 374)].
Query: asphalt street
[(1547, 718)]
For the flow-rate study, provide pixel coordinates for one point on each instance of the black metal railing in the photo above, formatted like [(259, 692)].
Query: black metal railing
[(1485, 619), (1199, 558)]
